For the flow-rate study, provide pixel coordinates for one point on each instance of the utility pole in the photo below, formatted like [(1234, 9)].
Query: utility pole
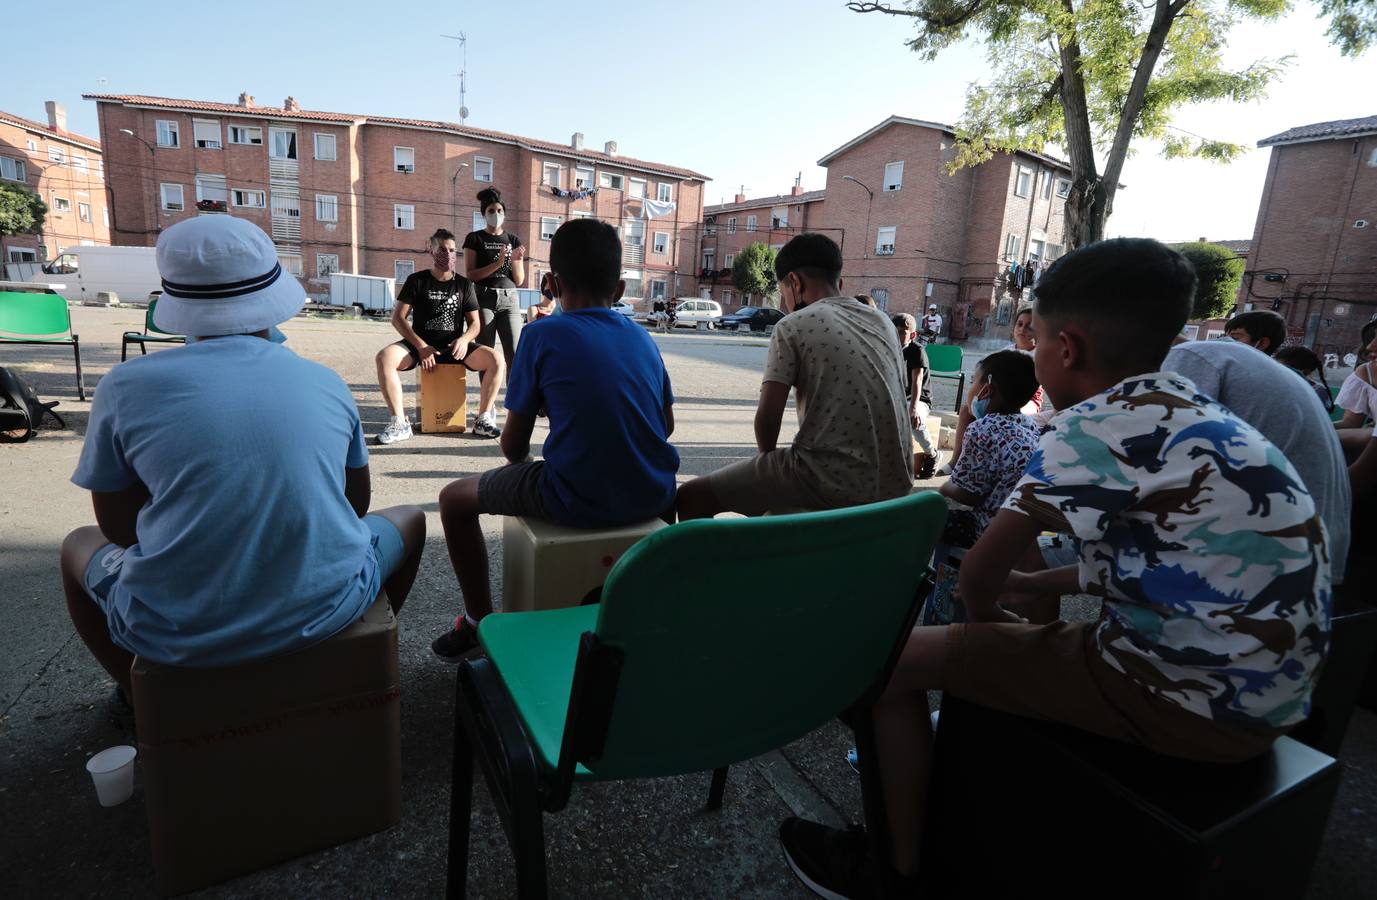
[(463, 73)]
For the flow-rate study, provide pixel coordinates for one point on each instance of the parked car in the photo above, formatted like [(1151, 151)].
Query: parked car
[(690, 312), (625, 309), (756, 318)]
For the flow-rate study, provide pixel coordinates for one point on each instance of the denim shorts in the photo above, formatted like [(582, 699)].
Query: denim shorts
[(386, 541)]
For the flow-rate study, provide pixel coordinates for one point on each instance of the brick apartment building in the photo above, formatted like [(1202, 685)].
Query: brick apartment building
[(67, 171), (1313, 256), (728, 228), (356, 193), (912, 234)]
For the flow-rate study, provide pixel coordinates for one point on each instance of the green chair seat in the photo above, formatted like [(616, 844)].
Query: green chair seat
[(21, 339), (40, 318), (152, 334), (535, 654), (944, 361)]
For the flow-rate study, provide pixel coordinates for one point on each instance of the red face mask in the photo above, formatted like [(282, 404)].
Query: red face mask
[(445, 259)]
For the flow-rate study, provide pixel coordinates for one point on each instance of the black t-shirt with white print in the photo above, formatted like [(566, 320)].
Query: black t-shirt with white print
[(439, 309), (487, 248)]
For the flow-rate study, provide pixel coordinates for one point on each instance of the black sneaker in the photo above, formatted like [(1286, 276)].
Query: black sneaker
[(455, 644), (831, 863)]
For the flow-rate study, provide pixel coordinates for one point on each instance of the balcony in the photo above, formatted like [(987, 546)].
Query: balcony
[(884, 250)]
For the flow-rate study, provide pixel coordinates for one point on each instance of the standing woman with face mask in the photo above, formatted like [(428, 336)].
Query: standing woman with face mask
[(495, 261)]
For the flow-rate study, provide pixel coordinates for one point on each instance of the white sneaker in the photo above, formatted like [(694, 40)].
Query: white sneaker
[(486, 426), (396, 430), (945, 470)]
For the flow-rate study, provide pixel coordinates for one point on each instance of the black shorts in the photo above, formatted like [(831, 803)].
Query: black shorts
[(513, 490), (443, 358)]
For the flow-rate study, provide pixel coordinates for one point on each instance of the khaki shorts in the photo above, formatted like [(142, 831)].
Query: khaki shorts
[(767, 482), (1055, 672)]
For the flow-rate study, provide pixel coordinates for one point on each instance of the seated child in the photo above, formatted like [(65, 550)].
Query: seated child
[(608, 460), (999, 443), (1304, 362), (1193, 527)]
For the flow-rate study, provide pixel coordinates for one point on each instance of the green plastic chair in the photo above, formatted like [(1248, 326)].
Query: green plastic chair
[(39, 318), (944, 361), (688, 668), (151, 334)]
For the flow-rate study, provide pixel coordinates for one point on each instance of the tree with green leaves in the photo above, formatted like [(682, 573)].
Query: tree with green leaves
[(21, 210), (753, 272), (1092, 75), (1218, 273)]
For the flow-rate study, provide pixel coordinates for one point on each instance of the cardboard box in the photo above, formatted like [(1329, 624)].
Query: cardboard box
[(246, 766), (549, 566), (444, 399)]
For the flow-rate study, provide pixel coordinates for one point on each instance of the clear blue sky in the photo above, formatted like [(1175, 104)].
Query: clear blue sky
[(746, 92)]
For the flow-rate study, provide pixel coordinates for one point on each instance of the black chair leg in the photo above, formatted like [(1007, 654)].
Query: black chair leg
[(719, 785), (460, 811), (960, 391), (124, 350), (81, 383), (528, 846), (143, 347)]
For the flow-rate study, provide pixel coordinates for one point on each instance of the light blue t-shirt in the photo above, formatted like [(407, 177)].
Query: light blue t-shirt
[(248, 546)]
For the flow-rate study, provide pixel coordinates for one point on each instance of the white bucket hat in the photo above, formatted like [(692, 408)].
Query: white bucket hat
[(221, 276)]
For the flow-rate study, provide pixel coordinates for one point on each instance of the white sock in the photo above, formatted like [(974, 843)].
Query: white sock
[(399, 420)]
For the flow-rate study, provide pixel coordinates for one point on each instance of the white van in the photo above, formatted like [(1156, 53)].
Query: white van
[(690, 312), (129, 272)]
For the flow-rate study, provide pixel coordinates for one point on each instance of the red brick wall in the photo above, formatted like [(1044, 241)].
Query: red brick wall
[(801, 217), (50, 180)]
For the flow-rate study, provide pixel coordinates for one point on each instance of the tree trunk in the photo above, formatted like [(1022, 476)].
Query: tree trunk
[(1086, 204)]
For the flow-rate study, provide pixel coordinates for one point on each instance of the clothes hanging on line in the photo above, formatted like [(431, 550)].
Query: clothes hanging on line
[(573, 195), (656, 209)]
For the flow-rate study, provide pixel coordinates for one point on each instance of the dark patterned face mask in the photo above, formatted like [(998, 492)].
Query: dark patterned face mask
[(445, 259)]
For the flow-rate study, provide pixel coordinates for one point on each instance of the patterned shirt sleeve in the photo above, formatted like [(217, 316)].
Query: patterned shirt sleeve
[(1073, 485), (781, 364)]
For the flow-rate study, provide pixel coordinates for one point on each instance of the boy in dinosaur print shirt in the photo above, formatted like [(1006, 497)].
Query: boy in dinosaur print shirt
[(1194, 529)]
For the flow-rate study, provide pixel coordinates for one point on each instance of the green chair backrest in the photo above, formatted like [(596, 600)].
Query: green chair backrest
[(741, 635), (944, 357), (34, 314), (148, 326)]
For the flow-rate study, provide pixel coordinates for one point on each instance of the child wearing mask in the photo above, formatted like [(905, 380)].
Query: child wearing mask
[(443, 327), (999, 443)]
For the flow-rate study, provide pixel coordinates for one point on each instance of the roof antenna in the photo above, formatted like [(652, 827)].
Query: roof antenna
[(462, 73)]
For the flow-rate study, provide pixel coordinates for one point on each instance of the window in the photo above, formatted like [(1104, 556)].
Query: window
[(23, 254), (727, 298), (1045, 184), (325, 146), (548, 226), (79, 165), (172, 197), (205, 133), (633, 233), (404, 216), (661, 242), (327, 264), (1023, 182), (583, 178), (404, 159), (56, 154), (479, 223), (659, 290), (248, 199), (779, 217), (62, 204), (482, 168), (211, 188), (169, 133), (884, 240), (881, 296), (731, 225), (1036, 249), (633, 279), (728, 260), (1063, 188), (610, 181), (1012, 245), (750, 223), (327, 208), (13, 169), (894, 175), (664, 192), (285, 204), (1054, 251), (402, 269), (290, 262), (282, 143), (245, 134), (710, 258), (32, 146), (84, 211), (637, 188), (552, 174)]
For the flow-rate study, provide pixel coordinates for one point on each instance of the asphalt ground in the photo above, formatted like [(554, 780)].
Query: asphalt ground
[(640, 839)]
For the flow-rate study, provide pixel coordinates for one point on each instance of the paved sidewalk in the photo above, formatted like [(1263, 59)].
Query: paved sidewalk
[(621, 840)]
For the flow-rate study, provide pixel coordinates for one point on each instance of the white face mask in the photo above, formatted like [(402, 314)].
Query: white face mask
[(495, 219)]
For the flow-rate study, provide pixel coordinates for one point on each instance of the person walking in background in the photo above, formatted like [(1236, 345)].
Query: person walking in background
[(916, 375), (495, 261), (931, 326)]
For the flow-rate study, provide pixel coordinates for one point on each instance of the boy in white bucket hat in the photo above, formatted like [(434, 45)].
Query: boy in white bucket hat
[(229, 478)]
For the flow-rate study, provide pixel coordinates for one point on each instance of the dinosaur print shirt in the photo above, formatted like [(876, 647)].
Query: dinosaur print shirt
[(1203, 542)]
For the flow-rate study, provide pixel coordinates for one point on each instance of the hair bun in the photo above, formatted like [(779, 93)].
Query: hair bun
[(488, 196)]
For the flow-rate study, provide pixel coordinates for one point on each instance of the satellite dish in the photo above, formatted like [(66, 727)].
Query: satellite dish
[(463, 112)]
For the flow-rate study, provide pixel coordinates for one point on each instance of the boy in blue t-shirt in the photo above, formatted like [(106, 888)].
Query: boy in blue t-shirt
[(608, 460)]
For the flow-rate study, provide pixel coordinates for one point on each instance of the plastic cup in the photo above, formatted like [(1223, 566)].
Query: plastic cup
[(112, 769)]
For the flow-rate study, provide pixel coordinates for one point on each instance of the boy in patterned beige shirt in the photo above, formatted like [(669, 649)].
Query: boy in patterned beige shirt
[(1194, 528), (841, 358)]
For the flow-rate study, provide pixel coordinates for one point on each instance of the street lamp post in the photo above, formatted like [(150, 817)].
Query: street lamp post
[(454, 193), (153, 154), (869, 203)]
